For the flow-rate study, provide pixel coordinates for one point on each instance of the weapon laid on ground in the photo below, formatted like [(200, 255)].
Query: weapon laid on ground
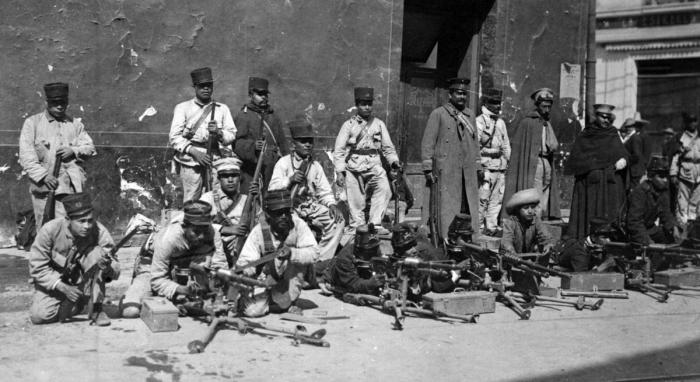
[(575, 293), (299, 334), (502, 257), (633, 261), (50, 207), (500, 288), (247, 216), (579, 304), (206, 174)]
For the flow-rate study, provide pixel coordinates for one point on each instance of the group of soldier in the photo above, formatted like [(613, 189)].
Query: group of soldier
[(252, 206)]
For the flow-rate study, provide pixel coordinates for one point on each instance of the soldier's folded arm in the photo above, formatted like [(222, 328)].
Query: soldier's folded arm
[(83, 145), (228, 130), (177, 127), (27, 153)]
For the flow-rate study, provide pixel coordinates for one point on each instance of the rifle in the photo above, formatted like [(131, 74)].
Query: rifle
[(206, 174), (434, 220), (50, 207), (246, 219), (299, 189), (229, 277)]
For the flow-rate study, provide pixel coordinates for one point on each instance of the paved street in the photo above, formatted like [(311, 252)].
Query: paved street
[(626, 339)]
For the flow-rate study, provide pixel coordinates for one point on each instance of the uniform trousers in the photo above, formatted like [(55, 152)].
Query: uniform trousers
[(491, 198), (376, 184)]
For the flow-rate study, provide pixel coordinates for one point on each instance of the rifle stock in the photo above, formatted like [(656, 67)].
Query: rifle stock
[(246, 219), (206, 174), (50, 207)]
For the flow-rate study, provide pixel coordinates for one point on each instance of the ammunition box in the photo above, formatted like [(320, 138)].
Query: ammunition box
[(464, 303), (689, 276), (590, 281), (159, 314)]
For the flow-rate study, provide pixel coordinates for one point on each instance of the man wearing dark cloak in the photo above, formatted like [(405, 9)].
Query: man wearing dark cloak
[(598, 162), (532, 156)]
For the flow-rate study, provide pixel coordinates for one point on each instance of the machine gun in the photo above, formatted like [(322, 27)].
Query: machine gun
[(633, 260), (50, 207), (499, 258)]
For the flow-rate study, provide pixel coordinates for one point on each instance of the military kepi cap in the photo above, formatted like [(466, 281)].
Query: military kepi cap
[(197, 212), (301, 128), (603, 108), (259, 85), (366, 237), (364, 94), (461, 225), (201, 76), (278, 200), (600, 226), (658, 165), (56, 91), (521, 198), (543, 94), (403, 236), (77, 205), (493, 96), (459, 83), (228, 165)]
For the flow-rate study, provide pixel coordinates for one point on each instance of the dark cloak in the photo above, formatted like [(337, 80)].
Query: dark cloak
[(526, 145), (599, 190)]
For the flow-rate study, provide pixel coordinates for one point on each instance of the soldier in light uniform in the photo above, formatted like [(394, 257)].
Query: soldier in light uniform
[(78, 236), (685, 171), (287, 236), (312, 195), (361, 142), (227, 203), (190, 237), (495, 154), (193, 123), (43, 137)]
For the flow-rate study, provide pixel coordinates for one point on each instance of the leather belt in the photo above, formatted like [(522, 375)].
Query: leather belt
[(364, 151), (696, 161)]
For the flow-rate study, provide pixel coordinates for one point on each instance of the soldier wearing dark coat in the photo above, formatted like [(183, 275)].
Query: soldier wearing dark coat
[(580, 255), (349, 271), (257, 122), (533, 145), (598, 162), (635, 144), (648, 202), (450, 156)]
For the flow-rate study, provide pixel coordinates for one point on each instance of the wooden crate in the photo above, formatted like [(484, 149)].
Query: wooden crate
[(689, 276), (464, 303), (159, 314), (590, 281)]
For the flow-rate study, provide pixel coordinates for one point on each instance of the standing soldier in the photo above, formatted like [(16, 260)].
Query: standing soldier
[(359, 147), (46, 137), (532, 162), (685, 170), (635, 144), (495, 154), (194, 123), (312, 196), (257, 123), (70, 262), (450, 155)]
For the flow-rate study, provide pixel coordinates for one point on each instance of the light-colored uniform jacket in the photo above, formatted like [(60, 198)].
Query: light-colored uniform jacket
[(686, 163), (358, 134)]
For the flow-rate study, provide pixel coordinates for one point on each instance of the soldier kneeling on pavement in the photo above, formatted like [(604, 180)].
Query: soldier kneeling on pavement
[(295, 250), (349, 271), (190, 237), (523, 231), (584, 254), (648, 202), (407, 244), (70, 262)]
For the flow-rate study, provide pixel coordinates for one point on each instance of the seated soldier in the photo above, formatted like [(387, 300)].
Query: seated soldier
[(648, 202), (349, 271), (312, 195), (69, 263), (288, 236), (190, 237), (406, 243), (458, 233), (228, 203), (523, 231), (582, 255)]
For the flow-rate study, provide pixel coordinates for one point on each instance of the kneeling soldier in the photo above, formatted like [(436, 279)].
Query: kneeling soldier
[(523, 231), (189, 238), (349, 271), (648, 202), (312, 196), (70, 262), (582, 255), (287, 236)]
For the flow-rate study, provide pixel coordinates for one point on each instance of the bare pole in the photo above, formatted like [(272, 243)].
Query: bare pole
[(590, 61)]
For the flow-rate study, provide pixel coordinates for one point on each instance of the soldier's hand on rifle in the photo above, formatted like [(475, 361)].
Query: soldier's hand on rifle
[(213, 129), (66, 153), (298, 177), (334, 211), (430, 178), (237, 230), (104, 261), (340, 179), (397, 166), (254, 188), (200, 157), (72, 293), (50, 181), (259, 145), (284, 253)]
